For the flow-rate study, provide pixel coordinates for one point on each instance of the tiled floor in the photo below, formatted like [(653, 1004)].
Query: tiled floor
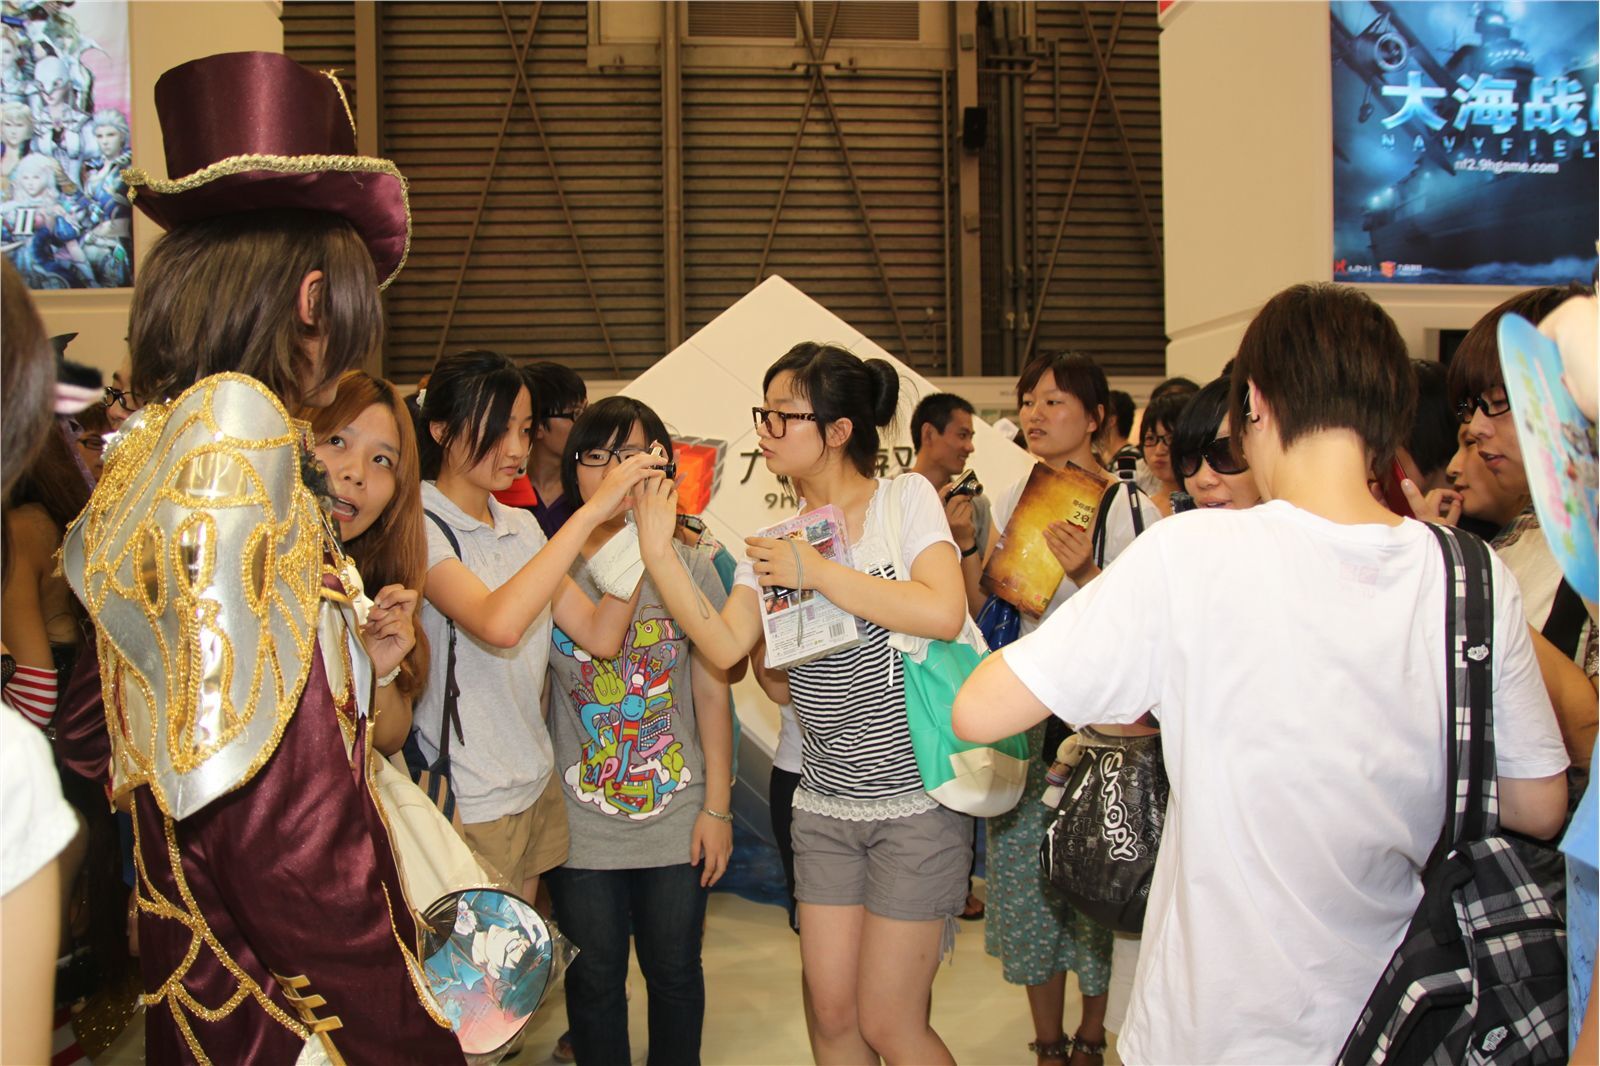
[(753, 1015)]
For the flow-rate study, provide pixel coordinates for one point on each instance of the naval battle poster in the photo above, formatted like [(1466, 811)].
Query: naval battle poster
[(65, 219), (1464, 142)]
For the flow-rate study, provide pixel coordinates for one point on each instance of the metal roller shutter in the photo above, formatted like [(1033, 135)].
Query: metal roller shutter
[(1105, 283), (739, 134)]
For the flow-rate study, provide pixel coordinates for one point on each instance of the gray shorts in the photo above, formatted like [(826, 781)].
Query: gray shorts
[(912, 869)]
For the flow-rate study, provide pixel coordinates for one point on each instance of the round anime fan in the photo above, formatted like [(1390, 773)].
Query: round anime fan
[(1558, 448), (489, 960)]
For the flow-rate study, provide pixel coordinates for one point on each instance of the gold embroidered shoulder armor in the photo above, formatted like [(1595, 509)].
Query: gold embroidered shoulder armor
[(200, 559)]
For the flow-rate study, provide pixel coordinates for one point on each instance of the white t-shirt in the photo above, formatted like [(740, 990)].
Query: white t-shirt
[(503, 759), (1119, 534), (35, 822), (851, 704), (1297, 667), (791, 739)]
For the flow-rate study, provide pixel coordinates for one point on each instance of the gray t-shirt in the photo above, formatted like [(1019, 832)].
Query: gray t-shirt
[(502, 761), (627, 745), (982, 520)]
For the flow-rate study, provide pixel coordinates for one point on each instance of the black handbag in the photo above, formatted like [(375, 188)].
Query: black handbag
[(1100, 852)]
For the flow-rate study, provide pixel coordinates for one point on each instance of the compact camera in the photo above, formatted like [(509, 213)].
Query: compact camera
[(966, 485)]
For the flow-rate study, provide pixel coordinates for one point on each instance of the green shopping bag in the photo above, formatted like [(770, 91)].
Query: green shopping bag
[(982, 780)]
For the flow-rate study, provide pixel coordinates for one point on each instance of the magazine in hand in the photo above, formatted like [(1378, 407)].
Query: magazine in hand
[(801, 625), (1023, 570)]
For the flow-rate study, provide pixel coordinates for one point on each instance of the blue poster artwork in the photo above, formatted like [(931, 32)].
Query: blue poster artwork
[(1464, 142)]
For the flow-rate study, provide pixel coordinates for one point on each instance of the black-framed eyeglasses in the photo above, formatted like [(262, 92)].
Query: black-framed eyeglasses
[(1218, 455), (1152, 440), (776, 423), (1481, 402), (93, 441), (570, 414), (603, 456), (123, 398)]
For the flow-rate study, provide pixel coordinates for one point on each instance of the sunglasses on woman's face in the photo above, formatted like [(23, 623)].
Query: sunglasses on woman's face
[(1218, 455)]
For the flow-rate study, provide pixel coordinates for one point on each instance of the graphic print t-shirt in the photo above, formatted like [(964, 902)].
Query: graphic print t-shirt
[(627, 743)]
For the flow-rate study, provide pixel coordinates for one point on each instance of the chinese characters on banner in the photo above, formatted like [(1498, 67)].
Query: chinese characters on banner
[(65, 221), (1464, 142)]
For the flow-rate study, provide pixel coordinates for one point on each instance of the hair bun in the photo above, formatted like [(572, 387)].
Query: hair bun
[(886, 380)]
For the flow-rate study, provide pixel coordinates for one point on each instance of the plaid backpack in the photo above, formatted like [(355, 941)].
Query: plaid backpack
[(1480, 975)]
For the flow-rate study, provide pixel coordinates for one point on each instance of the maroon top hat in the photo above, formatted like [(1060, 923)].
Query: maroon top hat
[(255, 131)]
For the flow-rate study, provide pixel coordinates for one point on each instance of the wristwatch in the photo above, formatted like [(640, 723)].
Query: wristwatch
[(969, 552)]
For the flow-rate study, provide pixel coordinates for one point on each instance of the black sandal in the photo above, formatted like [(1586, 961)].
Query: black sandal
[(1053, 1049)]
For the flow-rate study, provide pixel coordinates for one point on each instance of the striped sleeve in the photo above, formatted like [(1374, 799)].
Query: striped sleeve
[(32, 693)]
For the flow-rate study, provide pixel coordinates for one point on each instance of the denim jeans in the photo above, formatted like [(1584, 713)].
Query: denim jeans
[(666, 908)]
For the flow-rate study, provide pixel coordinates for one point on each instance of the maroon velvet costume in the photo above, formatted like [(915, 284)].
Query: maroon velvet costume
[(294, 876)]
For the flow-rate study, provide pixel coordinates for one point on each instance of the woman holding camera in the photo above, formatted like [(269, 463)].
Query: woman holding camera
[(644, 759), (494, 585)]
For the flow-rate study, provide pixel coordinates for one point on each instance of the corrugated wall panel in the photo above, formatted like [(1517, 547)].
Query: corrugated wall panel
[(447, 71), (739, 130), (1106, 294)]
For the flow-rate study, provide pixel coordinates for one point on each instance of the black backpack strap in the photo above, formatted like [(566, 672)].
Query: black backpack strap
[(1470, 812), (1097, 538), (451, 718), (1563, 626)]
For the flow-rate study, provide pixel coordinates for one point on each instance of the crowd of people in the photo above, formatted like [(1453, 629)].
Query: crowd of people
[(243, 643)]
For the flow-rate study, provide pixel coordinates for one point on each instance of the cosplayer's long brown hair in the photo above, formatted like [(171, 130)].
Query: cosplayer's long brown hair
[(394, 549), (223, 294)]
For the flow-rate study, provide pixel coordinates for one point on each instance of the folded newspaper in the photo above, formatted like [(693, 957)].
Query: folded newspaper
[(800, 624)]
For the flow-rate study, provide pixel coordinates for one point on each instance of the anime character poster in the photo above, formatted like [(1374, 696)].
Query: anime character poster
[(65, 220), (1464, 142)]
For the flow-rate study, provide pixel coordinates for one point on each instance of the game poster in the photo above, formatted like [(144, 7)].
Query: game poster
[(1464, 142), (65, 220)]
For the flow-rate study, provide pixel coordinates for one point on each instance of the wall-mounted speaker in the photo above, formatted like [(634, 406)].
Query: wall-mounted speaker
[(974, 128)]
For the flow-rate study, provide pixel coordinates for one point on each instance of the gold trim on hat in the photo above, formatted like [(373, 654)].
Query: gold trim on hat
[(138, 178), (338, 86)]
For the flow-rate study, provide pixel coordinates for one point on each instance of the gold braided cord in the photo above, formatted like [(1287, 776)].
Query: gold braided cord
[(338, 87), (138, 178), (172, 990)]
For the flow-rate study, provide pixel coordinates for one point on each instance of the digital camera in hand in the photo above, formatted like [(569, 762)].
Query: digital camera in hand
[(966, 485)]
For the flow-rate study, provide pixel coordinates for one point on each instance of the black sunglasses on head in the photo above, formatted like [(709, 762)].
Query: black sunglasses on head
[(1218, 455)]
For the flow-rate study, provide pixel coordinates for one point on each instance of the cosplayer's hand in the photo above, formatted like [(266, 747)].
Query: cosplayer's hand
[(1441, 506), (959, 511), (1073, 549), (612, 497), (655, 512), (788, 562), (713, 842), (390, 632)]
